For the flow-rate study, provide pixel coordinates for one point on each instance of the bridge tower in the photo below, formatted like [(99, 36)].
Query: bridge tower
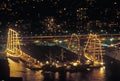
[(13, 44)]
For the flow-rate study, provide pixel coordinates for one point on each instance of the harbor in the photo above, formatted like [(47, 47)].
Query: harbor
[(59, 40), (54, 61)]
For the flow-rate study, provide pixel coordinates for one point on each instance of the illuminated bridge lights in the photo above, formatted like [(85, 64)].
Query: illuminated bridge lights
[(93, 49), (74, 43), (14, 50), (111, 39)]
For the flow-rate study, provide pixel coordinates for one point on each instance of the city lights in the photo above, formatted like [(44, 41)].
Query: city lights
[(61, 19), (59, 40)]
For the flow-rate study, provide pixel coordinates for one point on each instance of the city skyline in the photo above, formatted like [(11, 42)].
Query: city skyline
[(60, 17)]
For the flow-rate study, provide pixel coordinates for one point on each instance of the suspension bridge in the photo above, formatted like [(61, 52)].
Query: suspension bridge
[(92, 50)]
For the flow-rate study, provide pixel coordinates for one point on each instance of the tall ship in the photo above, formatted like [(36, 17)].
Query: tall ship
[(93, 50)]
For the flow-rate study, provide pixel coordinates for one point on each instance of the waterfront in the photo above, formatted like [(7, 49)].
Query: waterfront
[(59, 40), (110, 72)]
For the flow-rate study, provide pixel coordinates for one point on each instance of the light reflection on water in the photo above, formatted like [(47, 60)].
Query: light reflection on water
[(18, 70), (94, 75)]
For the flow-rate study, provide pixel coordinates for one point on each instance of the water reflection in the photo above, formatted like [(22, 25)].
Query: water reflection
[(57, 76), (107, 73), (17, 69), (75, 76), (94, 75), (68, 76)]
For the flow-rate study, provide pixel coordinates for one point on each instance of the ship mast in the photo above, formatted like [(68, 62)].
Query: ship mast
[(93, 49), (62, 54)]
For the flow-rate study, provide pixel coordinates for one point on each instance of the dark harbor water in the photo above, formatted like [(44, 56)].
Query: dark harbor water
[(110, 72)]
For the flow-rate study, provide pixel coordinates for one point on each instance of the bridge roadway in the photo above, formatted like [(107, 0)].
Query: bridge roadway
[(82, 37)]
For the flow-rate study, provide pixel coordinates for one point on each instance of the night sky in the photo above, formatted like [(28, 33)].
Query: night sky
[(60, 17)]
